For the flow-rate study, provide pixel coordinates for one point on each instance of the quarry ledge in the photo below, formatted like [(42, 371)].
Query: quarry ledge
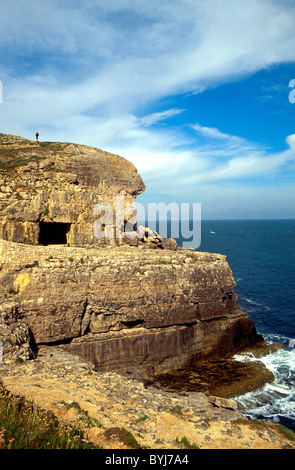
[(120, 306), (68, 253)]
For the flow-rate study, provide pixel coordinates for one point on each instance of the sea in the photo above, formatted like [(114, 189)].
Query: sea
[(261, 255)]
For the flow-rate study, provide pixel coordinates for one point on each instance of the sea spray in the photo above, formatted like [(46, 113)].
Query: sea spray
[(261, 254), (274, 401)]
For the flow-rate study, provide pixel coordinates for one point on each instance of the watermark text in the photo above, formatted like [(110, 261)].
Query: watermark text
[(178, 221)]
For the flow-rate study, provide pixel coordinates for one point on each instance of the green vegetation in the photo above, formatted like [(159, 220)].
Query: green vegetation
[(18, 162), (177, 409), (187, 443), (22, 156), (11, 152), (130, 439), (84, 416), (45, 144), (288, 433), (13, 291), (54, 146), (23, 425), (19, 360), (142, 418)]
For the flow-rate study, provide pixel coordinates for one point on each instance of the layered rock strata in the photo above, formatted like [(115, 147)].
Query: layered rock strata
[(53, 192), (75, 270), (120, 307)]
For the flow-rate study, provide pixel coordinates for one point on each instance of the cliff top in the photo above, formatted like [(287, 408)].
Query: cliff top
[(60, 183), (91, 165)]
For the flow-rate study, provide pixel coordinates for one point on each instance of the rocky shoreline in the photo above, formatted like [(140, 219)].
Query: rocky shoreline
[(223, 377), (91, 323), (70, 387), (122, 306)]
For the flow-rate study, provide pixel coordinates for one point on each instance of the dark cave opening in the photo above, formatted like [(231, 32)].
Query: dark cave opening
[(53, 233)]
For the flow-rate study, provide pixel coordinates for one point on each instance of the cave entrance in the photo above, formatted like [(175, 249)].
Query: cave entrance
[(53, 233)]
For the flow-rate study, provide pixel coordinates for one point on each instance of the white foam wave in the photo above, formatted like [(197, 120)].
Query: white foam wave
[(274, 401), (252, 302), (245, 357)]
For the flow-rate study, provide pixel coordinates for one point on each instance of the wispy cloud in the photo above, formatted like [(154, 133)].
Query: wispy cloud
[(175, 47), (88, 71), (151, 119), (212, 132), (241, 164), (186, 173), (223, 143)]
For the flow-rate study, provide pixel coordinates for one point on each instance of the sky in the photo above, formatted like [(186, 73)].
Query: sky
[(199, 96)]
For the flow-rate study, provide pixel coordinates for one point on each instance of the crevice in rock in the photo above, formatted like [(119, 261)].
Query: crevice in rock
[(209, 320), (227, 296), (85, 322), (32, 343), (132, 323), (87, 330), (58, 342)]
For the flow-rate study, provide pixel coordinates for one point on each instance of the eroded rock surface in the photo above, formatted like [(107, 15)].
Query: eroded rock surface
[(55, 191), (115, 301), (69, 387), (121, 307)]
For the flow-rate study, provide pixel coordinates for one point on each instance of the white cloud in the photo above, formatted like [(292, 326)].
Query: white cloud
[(222, 141), (176, 47), (87, 71), (185, 173), (151, 119), (242, 163), (54, 27), (211, 132)]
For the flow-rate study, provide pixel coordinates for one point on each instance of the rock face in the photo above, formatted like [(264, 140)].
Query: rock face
[(120, 307), (55, 192)]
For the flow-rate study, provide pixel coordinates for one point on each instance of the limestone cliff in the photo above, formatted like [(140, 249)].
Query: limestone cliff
[(122, 306), (49, 190), (117, 306)]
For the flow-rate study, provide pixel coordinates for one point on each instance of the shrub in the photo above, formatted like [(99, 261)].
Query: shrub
[(23, 425), (187, 443)]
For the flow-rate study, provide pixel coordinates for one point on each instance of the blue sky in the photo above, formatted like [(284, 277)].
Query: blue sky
[(195, 94)]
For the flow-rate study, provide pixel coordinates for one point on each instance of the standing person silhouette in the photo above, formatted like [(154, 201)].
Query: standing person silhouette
[(37, 136)]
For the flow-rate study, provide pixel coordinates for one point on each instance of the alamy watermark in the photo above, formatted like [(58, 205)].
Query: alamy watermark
[(1, 92), (173, 220), (292, 92), (1, 351)]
